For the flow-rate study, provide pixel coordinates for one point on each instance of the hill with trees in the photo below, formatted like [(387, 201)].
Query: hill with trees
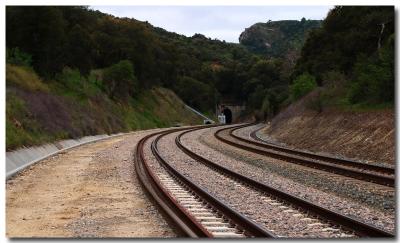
[(85, 40), (283, 38), (103, 66), (352, 56), (55, 40)]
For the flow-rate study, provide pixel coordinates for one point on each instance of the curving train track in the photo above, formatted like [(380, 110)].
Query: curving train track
[(200, 213), (362, 171), (195, 211)]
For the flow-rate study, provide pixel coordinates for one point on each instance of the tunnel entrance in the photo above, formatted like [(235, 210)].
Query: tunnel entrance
[(228, 115)]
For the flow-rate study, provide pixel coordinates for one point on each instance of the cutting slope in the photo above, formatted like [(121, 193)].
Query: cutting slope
[(366, 135)]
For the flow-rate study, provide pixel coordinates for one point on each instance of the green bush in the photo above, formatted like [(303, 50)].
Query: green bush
[(18, 57), (71, 78), (119, 80), (302, 85), (373, 78), (197, 94)]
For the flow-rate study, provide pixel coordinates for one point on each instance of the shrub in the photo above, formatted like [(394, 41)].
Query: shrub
[(119, 80), (18, 57), (302, 85), (373, 77), (195, 93), (71, 78)]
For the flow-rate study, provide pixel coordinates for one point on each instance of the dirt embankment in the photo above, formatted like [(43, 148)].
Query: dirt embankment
[(366, 135)]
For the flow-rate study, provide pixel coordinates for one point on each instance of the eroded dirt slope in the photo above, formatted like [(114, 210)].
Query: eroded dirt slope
[(366, 135)]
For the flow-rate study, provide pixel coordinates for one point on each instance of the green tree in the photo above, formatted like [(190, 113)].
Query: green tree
[(302, 85), (373, 80), (195, 93), (18, 57), (40, 31), (119, 80), (79, 49), (347, 32)]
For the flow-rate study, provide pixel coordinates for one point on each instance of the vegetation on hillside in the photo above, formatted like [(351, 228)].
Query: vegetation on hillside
[(79, 41), (84, 40), (39, 111), (352, 56), (283, 38)]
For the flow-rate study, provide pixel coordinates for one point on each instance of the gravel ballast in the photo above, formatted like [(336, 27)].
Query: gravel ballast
[(373, 203), (279, 218)]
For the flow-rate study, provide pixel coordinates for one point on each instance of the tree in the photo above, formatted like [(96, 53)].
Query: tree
[(119, 80), (346, 33), (302, 85), (373, 80), (39, 31), (18, 57), (195, 93), (79, 49)]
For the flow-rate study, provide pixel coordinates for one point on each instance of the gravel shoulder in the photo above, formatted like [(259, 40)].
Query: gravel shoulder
[(90, 191)]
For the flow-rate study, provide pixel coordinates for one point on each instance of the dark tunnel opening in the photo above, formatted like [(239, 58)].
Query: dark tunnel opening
[(228, 115)]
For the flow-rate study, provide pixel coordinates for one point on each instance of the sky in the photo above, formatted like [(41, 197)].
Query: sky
[(217, 22)]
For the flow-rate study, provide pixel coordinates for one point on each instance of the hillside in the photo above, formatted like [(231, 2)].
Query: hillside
[(80, 38), (283, 38), (359, 134), (353, 52), (39, 112), (341, 91), (137, 56)]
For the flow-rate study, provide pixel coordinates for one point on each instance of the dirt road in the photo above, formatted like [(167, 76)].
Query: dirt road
[(90, 191)]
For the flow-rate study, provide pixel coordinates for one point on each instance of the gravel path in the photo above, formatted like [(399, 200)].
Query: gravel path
[(373, 203), (90, 191), (282, 220)]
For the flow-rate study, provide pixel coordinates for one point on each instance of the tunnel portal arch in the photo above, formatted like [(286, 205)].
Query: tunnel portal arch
[(232, 111), (228, 115)]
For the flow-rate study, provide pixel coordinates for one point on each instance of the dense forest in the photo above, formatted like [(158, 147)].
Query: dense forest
[(198, 69), (352, 56)]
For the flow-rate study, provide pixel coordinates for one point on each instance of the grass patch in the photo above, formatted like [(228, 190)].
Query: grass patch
[(25, 78)]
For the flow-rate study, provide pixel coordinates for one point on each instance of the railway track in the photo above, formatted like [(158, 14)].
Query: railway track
[(200, 214), (362, 171), (303, 208), (345, 162), (196, 212)]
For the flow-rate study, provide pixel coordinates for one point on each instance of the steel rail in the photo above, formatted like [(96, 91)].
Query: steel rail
[(361, 228), (330, 159), (176, 212), (249, 227), (162, 197), (332, 168)]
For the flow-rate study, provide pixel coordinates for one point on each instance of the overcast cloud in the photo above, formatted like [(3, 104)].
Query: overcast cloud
[(220, 22)]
